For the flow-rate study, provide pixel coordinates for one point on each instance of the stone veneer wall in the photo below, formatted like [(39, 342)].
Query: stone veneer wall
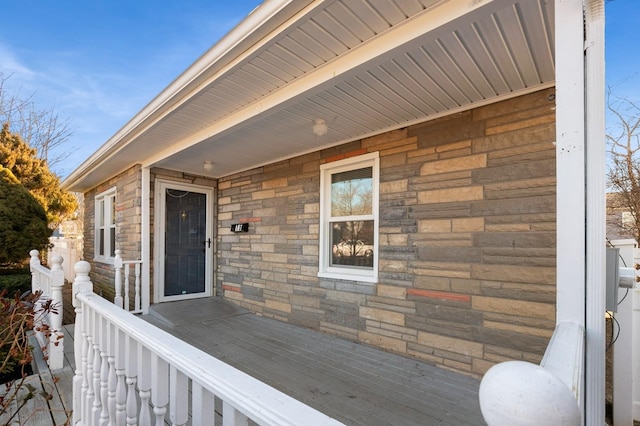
[(128, 226), (467, 239), (128, 221)]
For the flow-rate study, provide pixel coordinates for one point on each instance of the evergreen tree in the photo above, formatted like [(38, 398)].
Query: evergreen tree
[(34, 174), (23, 221)]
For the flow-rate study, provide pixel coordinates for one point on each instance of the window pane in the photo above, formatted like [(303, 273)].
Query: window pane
[(112, 200), (112, 242), (352, 192), (101, 242), (352, 243), (100, 213)]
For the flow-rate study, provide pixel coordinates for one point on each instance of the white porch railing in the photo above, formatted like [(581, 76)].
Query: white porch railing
[(519, 393), (122, 296), (50, 283), (130, 372)]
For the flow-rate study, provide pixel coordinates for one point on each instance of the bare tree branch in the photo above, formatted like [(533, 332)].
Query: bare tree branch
[(42, 130), (624, 170)]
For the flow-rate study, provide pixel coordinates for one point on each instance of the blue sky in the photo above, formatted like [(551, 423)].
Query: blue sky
[(99, 62)]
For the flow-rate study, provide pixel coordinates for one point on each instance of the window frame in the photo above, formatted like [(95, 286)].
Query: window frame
[(105, 203), (325, 269)]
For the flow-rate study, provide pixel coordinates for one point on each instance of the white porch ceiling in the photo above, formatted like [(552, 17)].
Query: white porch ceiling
[(365, 66)]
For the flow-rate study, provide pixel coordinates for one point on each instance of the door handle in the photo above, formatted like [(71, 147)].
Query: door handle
[(208, 242)]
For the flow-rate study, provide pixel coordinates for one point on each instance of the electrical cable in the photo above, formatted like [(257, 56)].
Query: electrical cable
[(613, 340), (623, 297)]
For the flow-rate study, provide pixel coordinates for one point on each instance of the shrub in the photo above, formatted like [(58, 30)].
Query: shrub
[(17, 318), (16, 280)]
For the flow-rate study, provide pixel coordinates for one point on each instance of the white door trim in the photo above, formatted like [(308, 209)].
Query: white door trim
[(159, 231)]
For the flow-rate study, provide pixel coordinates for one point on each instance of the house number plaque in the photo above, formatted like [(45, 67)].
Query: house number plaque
[(240, 227)]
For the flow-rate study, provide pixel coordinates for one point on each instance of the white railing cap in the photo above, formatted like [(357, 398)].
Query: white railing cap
[(519, 393)]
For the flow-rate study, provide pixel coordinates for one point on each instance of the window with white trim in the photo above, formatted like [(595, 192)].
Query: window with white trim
[(349, 218), (105, 231)]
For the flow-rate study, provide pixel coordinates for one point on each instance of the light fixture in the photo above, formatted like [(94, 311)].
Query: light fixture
[(208, 166), (319, 127)]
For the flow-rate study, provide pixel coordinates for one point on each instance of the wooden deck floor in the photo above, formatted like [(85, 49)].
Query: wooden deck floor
[(41, 410), (353, 383)]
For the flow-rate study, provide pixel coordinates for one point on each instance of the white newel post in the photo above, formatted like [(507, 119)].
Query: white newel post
[(81, 284), (34, 262), (56, 341), (117, 264)]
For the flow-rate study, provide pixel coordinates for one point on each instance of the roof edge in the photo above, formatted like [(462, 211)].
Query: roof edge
[(227, 47)]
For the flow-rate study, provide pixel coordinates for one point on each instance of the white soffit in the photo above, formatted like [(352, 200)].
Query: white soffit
[(365, 66)]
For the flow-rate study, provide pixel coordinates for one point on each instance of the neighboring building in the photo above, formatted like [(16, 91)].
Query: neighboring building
[(620, 222), (383, 172)]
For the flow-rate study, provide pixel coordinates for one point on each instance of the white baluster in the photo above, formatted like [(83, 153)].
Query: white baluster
[(104, 371), (131, 371), (104, 387), (179, 397), (127, 272), (88, 403), (117, 264), (97, 364), (121, 387), (159, 388), (111, 398), (144, 384), (81, 284), (137, 288), (203, 403), (112, 381), (56, 340), (232, 417), (84, 392)]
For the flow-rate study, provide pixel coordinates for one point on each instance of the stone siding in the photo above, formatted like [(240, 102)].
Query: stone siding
[(128, 221), (128, 227), (466, 239)]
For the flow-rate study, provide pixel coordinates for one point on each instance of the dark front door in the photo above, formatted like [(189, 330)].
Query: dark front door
[(187, 244)]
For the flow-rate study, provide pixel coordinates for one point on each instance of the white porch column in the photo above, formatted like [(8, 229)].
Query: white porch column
[(580, 185), (596, 206), (145, 250), (570, 162)]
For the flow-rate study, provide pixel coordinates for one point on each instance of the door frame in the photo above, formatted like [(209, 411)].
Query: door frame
[(159, 232)]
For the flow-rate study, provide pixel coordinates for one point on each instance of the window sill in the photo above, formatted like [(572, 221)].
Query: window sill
[(349, 277), (105, 260)]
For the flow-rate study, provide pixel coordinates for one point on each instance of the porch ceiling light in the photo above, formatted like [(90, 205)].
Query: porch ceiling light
[(208, 166), (320, 127)]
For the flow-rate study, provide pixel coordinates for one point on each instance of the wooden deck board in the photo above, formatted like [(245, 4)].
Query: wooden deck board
[(328, 380), (353, 383)]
